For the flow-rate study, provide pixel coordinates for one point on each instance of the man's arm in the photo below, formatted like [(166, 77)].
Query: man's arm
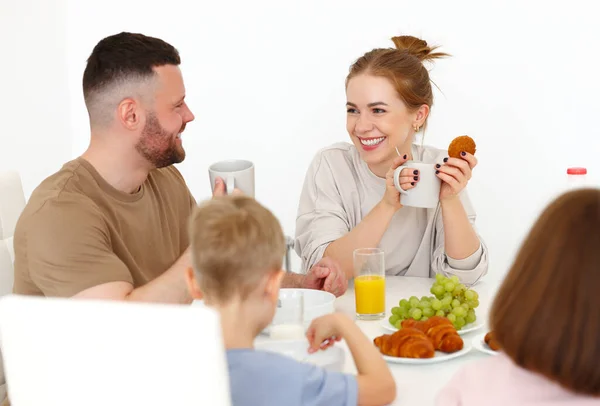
[(170, 287), (78, 261), (292, 280)]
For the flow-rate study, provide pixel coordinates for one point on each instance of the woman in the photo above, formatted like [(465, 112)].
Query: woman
[(349, 200), (545, 317)]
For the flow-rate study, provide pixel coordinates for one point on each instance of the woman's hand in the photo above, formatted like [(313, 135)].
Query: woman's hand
[(408, 179), (455, 173)]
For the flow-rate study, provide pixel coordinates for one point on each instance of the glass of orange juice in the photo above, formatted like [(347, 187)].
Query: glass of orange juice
[(369, 283)]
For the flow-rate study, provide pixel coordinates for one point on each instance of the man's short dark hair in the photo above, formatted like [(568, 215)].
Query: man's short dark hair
[(122, 58)]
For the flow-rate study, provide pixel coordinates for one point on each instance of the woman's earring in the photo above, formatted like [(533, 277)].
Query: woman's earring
[(416, 127)]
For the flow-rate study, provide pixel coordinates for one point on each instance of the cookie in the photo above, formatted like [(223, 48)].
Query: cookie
[(460, 144)]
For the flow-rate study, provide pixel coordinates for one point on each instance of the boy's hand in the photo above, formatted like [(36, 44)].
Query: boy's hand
[(324, 331)]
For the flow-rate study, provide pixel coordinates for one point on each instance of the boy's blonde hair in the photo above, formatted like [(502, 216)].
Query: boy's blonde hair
[(235, 242)]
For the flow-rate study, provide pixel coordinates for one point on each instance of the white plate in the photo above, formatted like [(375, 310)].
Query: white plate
[(385, 323), (479, 344), (439, 357)]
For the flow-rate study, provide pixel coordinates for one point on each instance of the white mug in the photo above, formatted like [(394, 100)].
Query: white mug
[(236, 173), (426, 192)]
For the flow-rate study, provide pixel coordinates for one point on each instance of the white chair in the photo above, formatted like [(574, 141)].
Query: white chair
[(85, 352), (289, 249), (12, 202)]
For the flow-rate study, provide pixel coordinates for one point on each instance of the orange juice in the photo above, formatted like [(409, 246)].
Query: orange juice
[(369, 292)]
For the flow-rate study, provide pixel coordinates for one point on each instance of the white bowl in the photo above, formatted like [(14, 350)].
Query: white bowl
[(331, 359), (198, 302), (316, 303)]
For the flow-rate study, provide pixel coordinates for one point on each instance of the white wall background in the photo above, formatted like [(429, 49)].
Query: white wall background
[(266, 82), (35, 135)]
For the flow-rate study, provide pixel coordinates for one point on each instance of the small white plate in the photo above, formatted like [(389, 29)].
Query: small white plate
[(385, 323), (479, 344), (439, 357)]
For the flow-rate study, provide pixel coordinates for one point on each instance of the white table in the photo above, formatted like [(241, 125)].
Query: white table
[(416, 384)]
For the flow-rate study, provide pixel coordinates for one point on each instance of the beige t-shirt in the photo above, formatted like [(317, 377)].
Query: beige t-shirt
[(77, 231), (340, 189)]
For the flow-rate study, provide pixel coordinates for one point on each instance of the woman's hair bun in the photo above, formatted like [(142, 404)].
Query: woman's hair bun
[(417, 47)]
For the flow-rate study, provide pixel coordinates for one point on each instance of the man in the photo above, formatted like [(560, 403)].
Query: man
[(112, 224)]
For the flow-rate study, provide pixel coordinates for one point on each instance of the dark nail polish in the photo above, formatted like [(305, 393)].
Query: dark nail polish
[(463, 153), (412, 183), (438, 166), (436, 172), (416, 172), (404, 157), (416, 178), (445, 159)]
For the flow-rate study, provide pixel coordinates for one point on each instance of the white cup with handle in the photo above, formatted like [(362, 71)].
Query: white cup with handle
[(236, 173), (426, 193)]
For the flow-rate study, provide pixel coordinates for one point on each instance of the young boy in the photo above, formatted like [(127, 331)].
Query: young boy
[(237, 249)]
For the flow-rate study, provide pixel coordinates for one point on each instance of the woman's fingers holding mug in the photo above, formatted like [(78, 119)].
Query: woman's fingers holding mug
[(409, 184), (453, 171), (458, 164), (399, 160), (409, 175), (408, 178), (409, 172), (395, 164), (393, 184), (455, 185)]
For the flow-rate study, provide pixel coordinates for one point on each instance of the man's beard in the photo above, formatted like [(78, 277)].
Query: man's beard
[(158, 146)]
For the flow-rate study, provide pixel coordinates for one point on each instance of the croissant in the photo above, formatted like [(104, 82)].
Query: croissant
[(405, 343), (490, 340), (443, 335), (440, 331), (412, 323)]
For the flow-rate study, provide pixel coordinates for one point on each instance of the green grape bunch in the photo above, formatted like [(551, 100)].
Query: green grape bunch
[(451, 299)]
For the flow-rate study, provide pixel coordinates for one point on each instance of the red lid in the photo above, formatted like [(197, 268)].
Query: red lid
[(576, 171)]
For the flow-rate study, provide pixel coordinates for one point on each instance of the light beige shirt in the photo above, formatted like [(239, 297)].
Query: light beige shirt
[(340, 189)]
